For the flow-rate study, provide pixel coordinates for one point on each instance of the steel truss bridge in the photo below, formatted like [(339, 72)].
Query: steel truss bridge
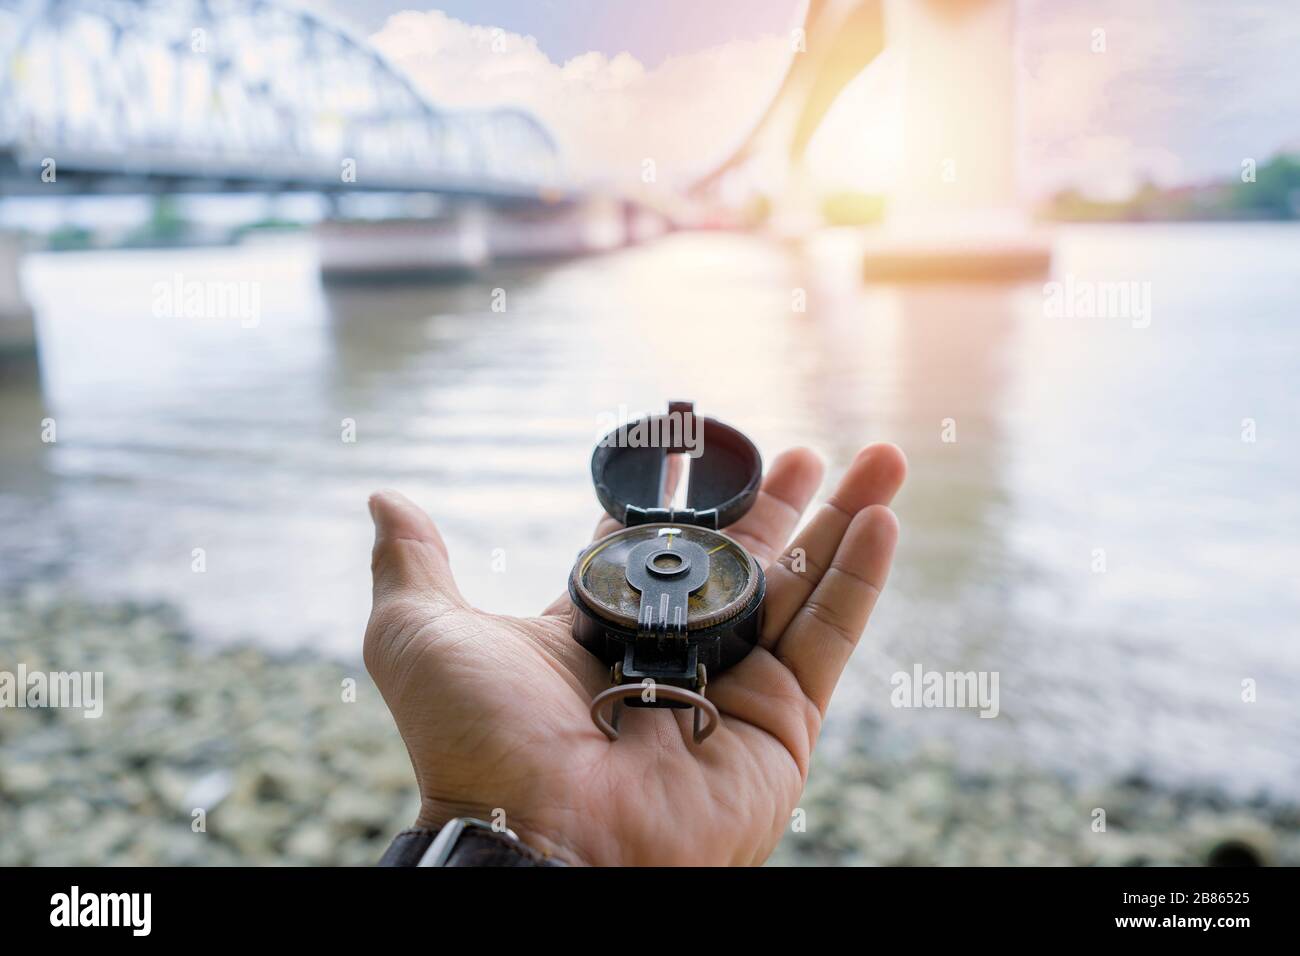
[(226, 95)]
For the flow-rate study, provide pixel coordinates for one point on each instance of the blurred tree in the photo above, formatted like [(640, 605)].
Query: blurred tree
[(853, 209)]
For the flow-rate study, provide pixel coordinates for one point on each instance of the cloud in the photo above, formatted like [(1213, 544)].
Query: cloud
[(609, 113), (1183, 91)]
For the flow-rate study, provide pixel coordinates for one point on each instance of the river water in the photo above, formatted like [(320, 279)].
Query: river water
[(1101, 533)]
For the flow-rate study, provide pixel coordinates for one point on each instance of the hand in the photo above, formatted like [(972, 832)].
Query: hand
[(494, 709)]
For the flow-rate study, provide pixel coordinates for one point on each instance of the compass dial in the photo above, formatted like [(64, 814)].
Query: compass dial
[(600, 575)]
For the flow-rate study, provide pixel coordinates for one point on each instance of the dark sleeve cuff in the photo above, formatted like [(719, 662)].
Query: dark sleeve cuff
[(474, 847), (407, 847)]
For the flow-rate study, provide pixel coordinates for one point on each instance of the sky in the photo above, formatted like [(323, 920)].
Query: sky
[(1183, 91), (649, 30)]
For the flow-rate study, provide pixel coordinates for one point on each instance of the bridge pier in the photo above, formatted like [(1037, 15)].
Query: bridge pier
[(957, 214), (537, 231), (470, 236), (17, 321), (447, 246)]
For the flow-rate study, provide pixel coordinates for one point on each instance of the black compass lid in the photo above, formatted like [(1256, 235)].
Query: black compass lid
[(635, 463)]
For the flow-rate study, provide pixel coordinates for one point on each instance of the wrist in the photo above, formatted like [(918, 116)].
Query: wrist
[(434, 816)]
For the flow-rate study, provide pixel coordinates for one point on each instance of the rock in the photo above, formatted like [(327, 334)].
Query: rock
[(312, 843), (23, 780), (1231, 840), (208, 791)]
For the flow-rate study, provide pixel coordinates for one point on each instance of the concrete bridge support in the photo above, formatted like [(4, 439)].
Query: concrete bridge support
[(469, 236), (956, 214), (449, 245), (555, 231), (17, 321)]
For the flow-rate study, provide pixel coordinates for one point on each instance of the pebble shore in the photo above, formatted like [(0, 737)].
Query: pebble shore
[(916, 808), (280, 764)]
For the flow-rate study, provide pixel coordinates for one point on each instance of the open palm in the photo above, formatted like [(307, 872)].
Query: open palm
[(494, 709)]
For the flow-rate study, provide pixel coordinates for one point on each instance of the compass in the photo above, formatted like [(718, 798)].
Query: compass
[(669, 600)]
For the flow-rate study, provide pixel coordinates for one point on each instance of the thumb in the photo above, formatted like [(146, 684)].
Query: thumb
[(409, 556)]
